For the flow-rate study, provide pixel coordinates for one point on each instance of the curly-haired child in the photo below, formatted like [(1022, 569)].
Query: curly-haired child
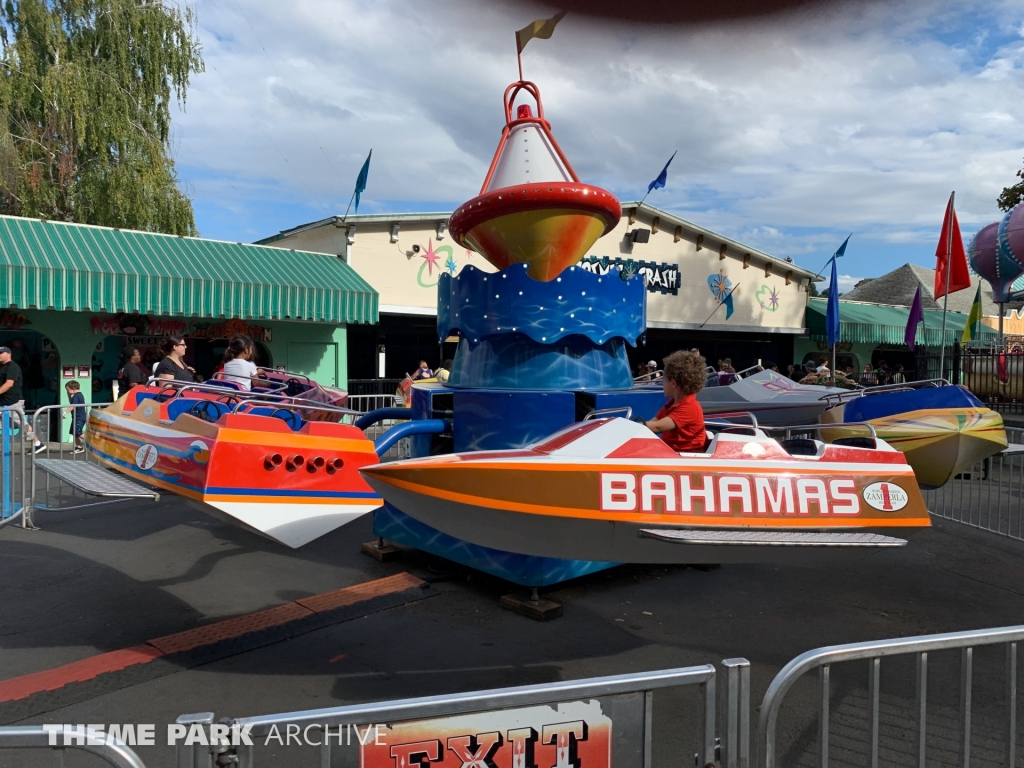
[(680, 422)]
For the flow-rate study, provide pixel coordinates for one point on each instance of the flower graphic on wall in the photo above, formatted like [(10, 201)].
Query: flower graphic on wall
[(723, 290), (768, 298)]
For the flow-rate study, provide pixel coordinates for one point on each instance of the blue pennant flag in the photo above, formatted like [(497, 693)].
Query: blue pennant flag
[(361, 179), (836, 255), (659, 182), (832, 314)]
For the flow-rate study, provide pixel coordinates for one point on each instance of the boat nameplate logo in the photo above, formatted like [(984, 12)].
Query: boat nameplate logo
[(754, 449), (887, 497), (146, 456)]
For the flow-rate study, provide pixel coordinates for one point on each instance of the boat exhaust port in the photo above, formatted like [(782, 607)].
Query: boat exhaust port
[(272, 461), (314, 464), (334, 466), (294, 462)]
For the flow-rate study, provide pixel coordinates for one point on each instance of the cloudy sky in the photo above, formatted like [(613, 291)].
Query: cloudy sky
[(792, 131)]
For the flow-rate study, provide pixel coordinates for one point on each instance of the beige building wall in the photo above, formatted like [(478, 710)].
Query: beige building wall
[(403, 255)]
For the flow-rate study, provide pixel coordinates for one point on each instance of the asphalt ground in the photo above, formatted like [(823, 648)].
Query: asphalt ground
[(106, 578)]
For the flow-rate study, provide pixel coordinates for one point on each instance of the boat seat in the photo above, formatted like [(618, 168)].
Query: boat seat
[(856, 442), (800, 446), (207, 410), (291, 418), (224, 383)]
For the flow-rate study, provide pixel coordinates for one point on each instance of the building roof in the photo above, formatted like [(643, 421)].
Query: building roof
[(898, 288), (860, 322), (55, 265), (441, 217)]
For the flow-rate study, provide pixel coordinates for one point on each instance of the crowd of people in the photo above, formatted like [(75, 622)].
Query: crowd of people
[(238, 364)]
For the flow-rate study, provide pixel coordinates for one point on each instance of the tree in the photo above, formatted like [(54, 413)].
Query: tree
[(1011, 196), (814, 290), (85, 94)]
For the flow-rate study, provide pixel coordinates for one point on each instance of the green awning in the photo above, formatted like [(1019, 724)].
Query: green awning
[(860, 322), (53, 265)]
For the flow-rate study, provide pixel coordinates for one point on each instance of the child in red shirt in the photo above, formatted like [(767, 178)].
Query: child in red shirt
[(680, 422)]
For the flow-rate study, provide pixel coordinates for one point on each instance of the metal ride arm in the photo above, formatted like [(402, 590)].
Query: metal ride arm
[(410, 428), (383, 414)]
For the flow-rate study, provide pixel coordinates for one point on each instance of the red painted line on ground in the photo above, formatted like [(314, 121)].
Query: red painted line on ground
[(86, 669)]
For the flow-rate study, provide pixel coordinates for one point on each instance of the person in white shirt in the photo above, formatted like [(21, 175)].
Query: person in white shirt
[(238, 365)]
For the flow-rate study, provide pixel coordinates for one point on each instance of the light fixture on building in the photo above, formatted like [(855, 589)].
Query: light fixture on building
[(350, 234), (394, 232), (640, 235), (442, 229)]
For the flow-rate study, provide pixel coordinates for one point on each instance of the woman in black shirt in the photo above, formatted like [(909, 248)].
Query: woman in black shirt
[(172, 367)]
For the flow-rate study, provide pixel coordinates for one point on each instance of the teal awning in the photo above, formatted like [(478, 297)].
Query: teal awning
[(54, 265), (860, 322)]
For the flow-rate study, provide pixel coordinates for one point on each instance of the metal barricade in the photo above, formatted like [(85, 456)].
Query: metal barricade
[(15, 467), (47, 492), (367, 403), (623, 704), (823, 659), (103, 745), (989, 495)]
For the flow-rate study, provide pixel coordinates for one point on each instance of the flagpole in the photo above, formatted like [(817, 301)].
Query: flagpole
[(519, 57), (945, 297), (720, 303), (348, 206)]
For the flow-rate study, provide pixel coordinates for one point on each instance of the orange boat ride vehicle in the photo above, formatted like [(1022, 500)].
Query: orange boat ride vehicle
[(254, 459), (610, 490)]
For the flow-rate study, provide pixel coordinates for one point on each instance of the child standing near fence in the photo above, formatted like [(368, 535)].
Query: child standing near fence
[(75, 397)]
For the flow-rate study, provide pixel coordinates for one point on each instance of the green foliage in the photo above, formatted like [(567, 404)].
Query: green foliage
[(1011, 196), (85, 93), (814, 292)]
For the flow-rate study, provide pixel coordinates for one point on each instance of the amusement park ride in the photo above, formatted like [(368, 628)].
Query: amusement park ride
[(526, 463)]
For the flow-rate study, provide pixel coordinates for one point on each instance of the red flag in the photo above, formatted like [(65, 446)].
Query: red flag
[(959, 277)]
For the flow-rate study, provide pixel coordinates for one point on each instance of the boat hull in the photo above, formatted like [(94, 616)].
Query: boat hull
[(594, 539), (939, 444), (224, 470), (534, 502)]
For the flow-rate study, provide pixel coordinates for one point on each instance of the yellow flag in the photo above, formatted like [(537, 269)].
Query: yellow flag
[(540, 28), (973, 328)]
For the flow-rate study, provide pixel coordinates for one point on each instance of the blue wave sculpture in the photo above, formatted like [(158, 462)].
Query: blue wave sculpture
[(480, 305)]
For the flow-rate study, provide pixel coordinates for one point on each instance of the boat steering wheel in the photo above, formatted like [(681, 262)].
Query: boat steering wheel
[(291, 418), (294, 387), (205, 410)]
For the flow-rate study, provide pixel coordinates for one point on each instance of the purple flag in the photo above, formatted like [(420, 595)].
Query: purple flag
[(916, 316)]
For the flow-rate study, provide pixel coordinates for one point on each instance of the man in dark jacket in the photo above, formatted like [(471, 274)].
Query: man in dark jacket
[(11, 395)]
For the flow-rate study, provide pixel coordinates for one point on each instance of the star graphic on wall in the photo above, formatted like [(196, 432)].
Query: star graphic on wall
[(431, 256), (773, 299), (450, 265)]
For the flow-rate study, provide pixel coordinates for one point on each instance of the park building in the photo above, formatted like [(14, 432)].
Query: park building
[(688, 271), (73, 296)]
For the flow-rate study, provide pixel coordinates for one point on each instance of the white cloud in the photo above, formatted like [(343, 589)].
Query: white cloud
[(859, 120)]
